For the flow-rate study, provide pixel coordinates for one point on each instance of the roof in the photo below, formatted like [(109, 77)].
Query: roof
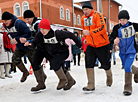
[(77, 6), (117, 2), (95, 0)]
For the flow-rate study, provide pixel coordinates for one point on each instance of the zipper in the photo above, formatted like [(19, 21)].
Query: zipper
[(91, 36)]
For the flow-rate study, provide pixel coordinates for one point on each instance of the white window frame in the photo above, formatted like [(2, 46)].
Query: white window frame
[(14, 9), (78, 21), (62, 13), (74, 17), (68, 15), (23, 6)]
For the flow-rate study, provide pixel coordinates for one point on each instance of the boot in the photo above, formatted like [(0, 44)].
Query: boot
[(7, 71), (109, 77), (2, 72), (91, 80), (114, 62), (128, 84), (135, 72), (62, 79), (40, 79), (71, 81), (23, 69), (44, 75)]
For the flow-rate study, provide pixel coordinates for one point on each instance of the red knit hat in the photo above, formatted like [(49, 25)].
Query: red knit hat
[(45, 24)]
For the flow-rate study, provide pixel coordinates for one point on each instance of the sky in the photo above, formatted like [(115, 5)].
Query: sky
[(130, 5)]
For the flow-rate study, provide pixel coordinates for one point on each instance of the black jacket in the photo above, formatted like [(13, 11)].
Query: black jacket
[(57, 45)]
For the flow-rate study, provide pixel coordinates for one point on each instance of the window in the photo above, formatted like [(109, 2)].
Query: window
[(61, 12), (17, 9), (25, 6), (67, 15), (74, 18), (79, 20)]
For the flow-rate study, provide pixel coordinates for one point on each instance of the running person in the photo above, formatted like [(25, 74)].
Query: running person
[(94, 30), (55, 46), (125, 31)]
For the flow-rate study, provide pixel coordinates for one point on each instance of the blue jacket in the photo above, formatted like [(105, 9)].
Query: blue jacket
[(126, 33), (18, 29), (75, 49)]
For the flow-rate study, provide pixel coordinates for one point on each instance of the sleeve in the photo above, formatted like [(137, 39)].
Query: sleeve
[(36, 41), (100, 23), (135, 26), (66, 34), (82, 42), (72, 42), (113, 35), (22, 28)]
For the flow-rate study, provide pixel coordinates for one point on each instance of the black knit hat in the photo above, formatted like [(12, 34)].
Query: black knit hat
[(28, 14), (6, 16), (123, 15), (87, 4)]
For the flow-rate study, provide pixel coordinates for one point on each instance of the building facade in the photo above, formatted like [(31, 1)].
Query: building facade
[(60, 12)]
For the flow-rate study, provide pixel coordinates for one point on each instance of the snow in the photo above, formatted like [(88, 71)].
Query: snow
[(12, 90)]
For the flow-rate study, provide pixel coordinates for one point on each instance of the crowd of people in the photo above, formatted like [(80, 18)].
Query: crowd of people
[(39, 41)]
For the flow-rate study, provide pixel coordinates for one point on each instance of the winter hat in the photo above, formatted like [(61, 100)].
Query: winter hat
[(75, 32), (28, 14), (45, 24), (87, 4), (123, 15), (6, 16)]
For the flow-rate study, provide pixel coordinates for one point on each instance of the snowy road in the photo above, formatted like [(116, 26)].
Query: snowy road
[(11, 90)]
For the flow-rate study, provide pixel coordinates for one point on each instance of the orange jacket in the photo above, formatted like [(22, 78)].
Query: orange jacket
[(95, 24)]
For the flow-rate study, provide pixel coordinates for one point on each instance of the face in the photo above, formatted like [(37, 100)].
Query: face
[(29, 20), (75, 34), (44, 31), (87, 11), (123, 21), (7, 22)]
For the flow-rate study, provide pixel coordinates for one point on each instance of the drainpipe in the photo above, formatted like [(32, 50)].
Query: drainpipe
[(40, 9), (109, 15), (73, 11)]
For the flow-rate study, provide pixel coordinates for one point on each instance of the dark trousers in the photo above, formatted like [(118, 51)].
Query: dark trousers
[(38, 58), (74, 58), (103, 55), (56, 62)]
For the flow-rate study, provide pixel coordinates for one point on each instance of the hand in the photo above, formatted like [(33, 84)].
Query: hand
[(13, 41), (23, 40), (86, 32), (117, 40), (0, 51), (27, 44)]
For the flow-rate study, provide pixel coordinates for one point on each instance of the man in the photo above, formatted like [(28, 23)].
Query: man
[(125, 31), (34, 27), (55, 46), (17, 29), (94, 30)]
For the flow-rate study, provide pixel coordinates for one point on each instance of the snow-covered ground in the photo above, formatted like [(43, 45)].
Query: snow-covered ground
[(11, 90)]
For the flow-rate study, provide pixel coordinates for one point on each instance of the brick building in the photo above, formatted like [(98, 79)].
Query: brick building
[(59, 12)]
